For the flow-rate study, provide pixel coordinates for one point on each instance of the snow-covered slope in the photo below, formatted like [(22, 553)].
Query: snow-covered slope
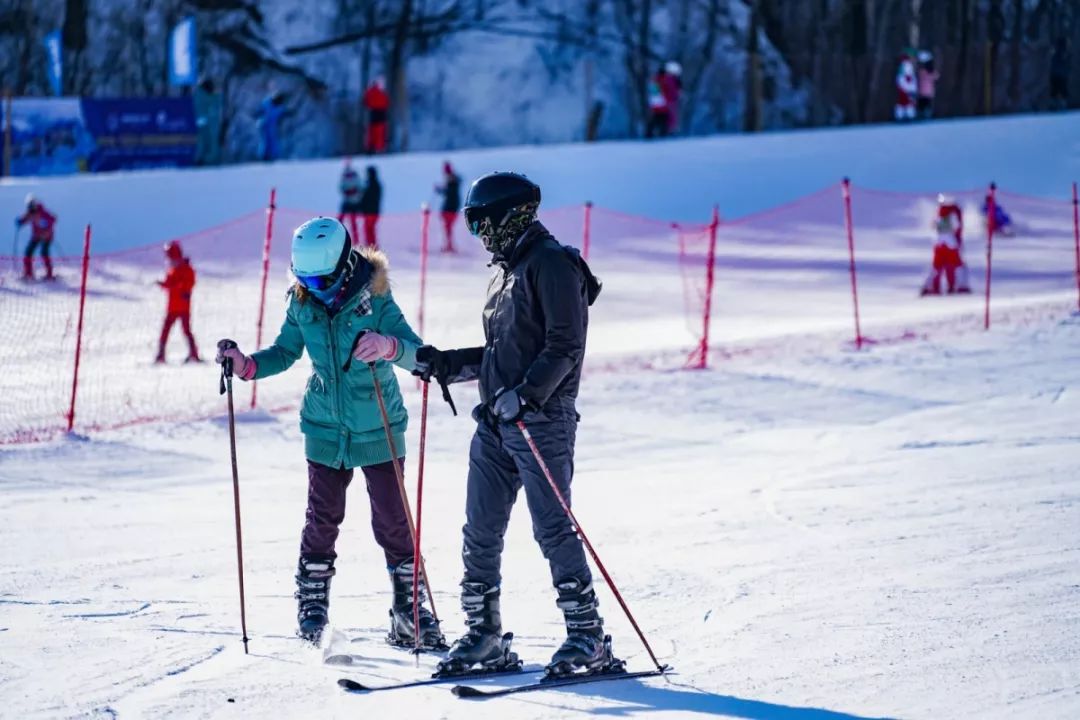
[(671, 180), (803, 536), (805, 532)]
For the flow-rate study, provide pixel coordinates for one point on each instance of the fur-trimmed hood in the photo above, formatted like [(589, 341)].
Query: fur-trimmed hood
[(380, 270)]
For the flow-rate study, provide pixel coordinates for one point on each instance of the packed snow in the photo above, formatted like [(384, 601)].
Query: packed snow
[(804, 531)]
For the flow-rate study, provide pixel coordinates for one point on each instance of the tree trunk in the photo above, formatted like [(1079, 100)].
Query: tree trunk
[(752, 111), (1016, 52), (396, 79)]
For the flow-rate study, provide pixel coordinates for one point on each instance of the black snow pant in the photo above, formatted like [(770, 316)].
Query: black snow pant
[(500, 463)]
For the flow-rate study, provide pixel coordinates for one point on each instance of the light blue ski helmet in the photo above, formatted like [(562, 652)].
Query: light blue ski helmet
[(319, 247)]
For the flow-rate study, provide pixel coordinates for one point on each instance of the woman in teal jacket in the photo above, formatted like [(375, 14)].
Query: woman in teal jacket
[(339, 293)]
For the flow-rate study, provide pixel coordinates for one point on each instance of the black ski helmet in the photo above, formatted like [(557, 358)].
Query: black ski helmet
[(499, 207)]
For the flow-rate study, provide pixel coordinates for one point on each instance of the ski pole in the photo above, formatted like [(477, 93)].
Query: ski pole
[(227, 388), (418, 559), (419, 518), (596, 558)]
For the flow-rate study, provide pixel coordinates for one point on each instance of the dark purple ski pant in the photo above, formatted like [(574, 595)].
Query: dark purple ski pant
[(326, 510)]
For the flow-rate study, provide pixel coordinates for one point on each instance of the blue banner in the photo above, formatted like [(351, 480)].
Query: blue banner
[(183, 59), (57, 136), (132, 133), (54, 54), (48, 136)]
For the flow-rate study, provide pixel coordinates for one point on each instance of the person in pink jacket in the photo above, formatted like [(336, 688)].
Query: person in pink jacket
[(671, 87), (927, 83)]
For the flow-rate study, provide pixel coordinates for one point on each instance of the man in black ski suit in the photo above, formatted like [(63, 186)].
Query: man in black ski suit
[(535, 323)]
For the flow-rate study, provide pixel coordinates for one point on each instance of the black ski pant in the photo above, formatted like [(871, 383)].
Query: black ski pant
[(501, 463)]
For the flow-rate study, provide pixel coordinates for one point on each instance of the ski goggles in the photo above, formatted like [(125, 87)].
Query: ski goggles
[(474, 219), (320, 282)]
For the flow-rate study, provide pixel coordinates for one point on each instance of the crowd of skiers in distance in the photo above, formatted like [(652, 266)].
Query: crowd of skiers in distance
[(273, 110), (917, 76), (361, 205)]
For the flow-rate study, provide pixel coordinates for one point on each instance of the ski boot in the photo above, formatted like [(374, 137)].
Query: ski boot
[(401, 613), (313, 596), (586, 647), (484, 644)]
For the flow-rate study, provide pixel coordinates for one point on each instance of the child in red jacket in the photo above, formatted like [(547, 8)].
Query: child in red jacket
[(179, 282), (41, 235)]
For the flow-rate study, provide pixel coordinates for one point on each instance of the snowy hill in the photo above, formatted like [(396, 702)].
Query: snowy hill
[(670, 180), (805, 532)]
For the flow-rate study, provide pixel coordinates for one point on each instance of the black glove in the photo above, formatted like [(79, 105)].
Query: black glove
[(430, 362), (509, 407)]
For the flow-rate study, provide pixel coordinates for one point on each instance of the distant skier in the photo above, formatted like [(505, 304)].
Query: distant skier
[(662, 89), (207, 103), (927, 84), (339, 292), (179, 282), (906, 87), (535, 324), (1003, 223), (271, 112), (377, 103), (371, 206), (671, 87), (451, 204), (351, 189), (42, 223), (948, 259)]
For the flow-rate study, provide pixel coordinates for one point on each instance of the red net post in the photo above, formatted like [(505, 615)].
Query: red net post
[(990, 210), (265, 276), (425, 230), (586, 231), (1076, 240), (846, 189), (79, 331), (710, 281)]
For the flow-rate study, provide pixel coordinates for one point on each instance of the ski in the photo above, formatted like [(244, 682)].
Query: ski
[(467, 691), (358, 687)]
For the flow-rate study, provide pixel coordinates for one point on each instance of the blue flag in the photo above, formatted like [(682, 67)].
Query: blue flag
[(54, 51), (182, 54)]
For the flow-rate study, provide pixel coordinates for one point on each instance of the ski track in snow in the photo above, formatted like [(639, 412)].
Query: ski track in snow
[(817, 535), (804, 531)]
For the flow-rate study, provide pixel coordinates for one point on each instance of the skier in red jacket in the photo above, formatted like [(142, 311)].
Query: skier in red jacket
[(377, 103), (179, 282), (41, 235), (949, 224)]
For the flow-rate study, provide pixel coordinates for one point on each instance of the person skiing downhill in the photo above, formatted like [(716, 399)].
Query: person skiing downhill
[(451, 192), (535, 325), (42, 224), (179, 282), (341, 306)]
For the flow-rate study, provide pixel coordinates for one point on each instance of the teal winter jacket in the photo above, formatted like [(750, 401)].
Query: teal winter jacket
[(339, 415)]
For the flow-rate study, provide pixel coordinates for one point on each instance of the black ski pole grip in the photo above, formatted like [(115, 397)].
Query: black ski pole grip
[(352, 349)]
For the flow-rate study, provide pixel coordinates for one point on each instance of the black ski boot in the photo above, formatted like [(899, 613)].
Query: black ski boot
[(313, 594), (401, 612), (586, 647), (483, 644)]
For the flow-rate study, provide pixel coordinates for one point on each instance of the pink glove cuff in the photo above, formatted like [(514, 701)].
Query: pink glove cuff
[(391, 353), (248, 369)]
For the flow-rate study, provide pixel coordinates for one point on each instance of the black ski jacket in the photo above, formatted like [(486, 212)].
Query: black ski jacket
[(535, 322)]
